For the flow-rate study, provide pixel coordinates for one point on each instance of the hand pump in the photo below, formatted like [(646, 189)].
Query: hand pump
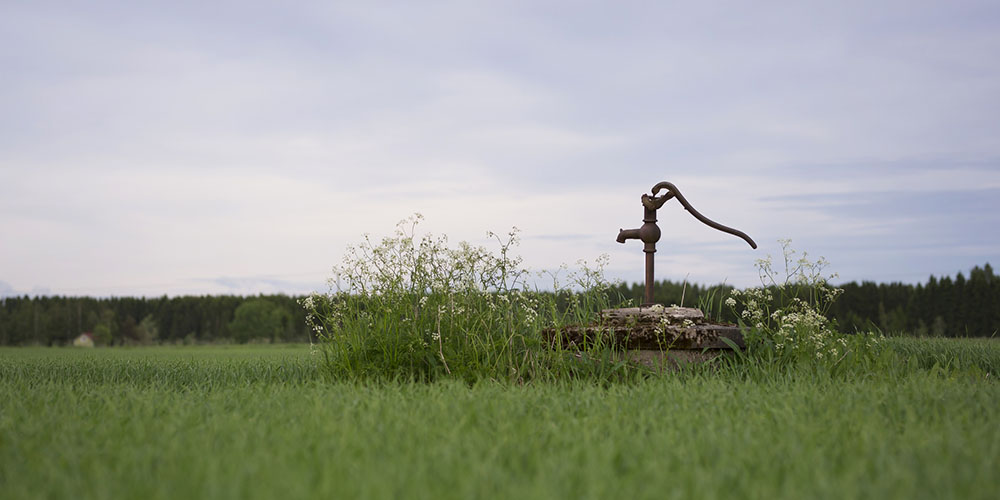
[(649, 232)]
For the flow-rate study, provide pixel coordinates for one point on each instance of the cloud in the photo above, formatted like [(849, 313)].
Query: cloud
[(253, 285), (144, 147)]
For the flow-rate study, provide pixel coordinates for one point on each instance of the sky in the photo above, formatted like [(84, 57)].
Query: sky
[(151, 148)]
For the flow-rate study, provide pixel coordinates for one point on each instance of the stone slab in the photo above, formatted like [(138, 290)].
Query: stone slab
[(649, 328)]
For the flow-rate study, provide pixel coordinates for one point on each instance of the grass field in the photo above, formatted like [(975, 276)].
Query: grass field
[(263, 422)]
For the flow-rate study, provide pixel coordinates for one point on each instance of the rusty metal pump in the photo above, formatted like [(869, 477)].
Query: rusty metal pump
[(649, 232)]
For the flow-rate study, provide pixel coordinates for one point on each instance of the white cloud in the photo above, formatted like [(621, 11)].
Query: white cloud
[(161, 148)]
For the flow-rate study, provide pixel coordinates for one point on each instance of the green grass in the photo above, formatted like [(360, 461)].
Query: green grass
[(950, 353), (264, 422)]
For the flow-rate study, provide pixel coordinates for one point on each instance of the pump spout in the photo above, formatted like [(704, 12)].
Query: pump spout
[(649, 233), (628, 234)]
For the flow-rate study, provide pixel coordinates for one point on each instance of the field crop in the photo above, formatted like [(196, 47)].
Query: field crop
[(266, 422)]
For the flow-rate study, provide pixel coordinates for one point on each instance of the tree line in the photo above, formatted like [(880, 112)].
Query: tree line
[(57, 320), (946, 306)]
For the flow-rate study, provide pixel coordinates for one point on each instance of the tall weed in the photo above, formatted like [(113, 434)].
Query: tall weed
[(415, 308), (785, 318)]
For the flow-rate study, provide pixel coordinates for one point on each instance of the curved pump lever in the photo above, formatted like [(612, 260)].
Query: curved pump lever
[(655, 202), (649, 233)]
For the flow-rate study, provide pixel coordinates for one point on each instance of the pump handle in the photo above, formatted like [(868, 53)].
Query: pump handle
[(654, 202)]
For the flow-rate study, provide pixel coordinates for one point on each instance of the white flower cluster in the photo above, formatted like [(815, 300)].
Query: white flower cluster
[(310, 304), (794, 322), (662, 325)]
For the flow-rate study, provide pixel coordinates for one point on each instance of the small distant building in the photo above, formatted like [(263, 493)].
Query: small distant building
[(86, 339)]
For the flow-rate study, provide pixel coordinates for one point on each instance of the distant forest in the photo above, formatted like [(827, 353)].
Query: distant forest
[(948, 307)]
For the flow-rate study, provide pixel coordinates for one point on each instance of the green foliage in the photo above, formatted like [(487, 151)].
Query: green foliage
[(263, 422), (943, 307), (179, 368), (415, 308), (667, 292), (206, 319), (102, 334), (786, 316), (711, 303), (259, 319), (959, 307), (107, 328), (980, 356), (148, 331), (940, 308)]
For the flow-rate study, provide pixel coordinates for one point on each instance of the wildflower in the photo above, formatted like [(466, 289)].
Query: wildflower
[(436, 336), (662, 325), (731, 302)]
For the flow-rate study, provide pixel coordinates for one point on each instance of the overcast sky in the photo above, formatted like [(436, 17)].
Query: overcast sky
[(152, 148)]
